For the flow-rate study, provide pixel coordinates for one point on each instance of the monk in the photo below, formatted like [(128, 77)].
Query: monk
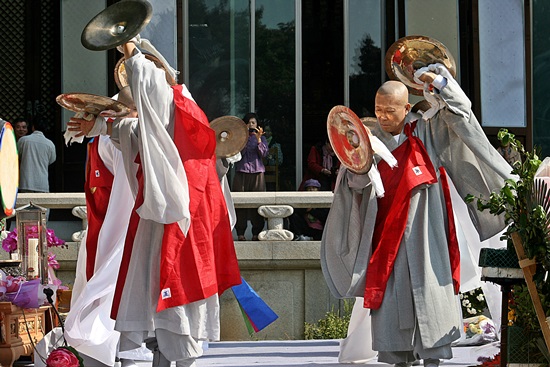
[(400, 251)]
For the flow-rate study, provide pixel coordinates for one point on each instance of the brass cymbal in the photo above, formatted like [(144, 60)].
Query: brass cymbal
[(231, 135), (116, 24), (369, 122), (421, 106), (349, 139), (121, 78), (410, 53), (92, 103)]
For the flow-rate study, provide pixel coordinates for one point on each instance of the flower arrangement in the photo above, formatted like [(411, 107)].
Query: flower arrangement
[(490, 361), (9, 243), (473, 302), (64, 356)]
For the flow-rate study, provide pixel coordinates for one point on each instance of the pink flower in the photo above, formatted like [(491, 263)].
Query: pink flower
[(9, 244), (52, 261), (63, 357)]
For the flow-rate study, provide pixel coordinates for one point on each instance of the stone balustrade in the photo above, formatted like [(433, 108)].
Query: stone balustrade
[(286, 274)]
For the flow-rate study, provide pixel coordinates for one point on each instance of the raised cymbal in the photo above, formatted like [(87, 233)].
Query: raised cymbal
[(349, 139), (116, 24), (231, 135), (121, 78), (408, 54), (92, 103)]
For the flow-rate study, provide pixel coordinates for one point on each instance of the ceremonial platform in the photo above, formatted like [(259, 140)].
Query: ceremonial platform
[(281, 353)]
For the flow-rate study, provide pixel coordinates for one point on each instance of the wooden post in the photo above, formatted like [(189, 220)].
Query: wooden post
[(529, 267)]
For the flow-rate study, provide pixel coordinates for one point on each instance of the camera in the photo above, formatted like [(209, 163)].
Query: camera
[(252, 130)]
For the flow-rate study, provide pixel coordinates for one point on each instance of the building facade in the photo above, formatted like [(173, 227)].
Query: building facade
[(290, 61)]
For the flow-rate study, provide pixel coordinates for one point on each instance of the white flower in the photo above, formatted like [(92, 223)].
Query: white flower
[(461, 296), (473, 291), (474, 311), (480, 297), (466, 303)]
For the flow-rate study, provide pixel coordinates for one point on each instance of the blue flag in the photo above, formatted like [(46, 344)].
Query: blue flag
[(257, 312)]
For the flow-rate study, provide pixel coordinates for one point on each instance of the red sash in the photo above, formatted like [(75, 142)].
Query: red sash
[(414, 168), (97, 188), (204, 262)]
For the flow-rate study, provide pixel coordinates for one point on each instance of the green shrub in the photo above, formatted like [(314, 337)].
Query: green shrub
[(333, 326)]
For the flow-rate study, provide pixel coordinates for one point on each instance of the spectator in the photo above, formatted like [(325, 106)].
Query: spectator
[(249, 176), (307, 224), (36, 153), (273, 160), (275, 153), (322, 165), (20, 127)]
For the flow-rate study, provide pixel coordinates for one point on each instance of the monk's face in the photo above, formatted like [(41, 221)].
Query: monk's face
[(391, 109)]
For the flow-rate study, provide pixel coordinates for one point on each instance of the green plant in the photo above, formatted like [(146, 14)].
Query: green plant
[(333, 326), (525, 204)]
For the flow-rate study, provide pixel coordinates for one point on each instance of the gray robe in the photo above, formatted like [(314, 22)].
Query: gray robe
[(419, 311)]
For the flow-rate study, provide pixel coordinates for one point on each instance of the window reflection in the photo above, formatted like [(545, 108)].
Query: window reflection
[(219, 62), (275, 80), (365, 55)]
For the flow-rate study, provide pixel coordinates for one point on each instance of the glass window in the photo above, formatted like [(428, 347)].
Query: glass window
[(161, 30), (275, 88), (219, 57), (541, 75), (364, 55), (436, 19), (502, 63)]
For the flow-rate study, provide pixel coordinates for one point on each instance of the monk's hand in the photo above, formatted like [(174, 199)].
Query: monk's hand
[(427, 77), (108, 113), (83, 124)]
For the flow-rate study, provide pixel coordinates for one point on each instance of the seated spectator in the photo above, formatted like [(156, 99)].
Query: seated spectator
[(308, 224), (322, 165)]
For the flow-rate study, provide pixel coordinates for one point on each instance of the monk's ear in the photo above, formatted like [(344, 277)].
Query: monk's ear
[(408, 107)]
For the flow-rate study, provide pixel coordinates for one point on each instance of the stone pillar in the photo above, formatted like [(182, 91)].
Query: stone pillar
[(80, 212), (275, 215)]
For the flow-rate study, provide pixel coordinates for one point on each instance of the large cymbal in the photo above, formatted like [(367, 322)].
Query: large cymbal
[(92, 103), (231, 135), (349, 139), (121, 78), (116, 24), (411, 53)]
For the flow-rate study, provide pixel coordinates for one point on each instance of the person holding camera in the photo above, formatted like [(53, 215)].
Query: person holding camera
[(249, 176)]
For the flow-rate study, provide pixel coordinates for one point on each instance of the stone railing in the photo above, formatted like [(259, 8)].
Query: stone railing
[(286, 274)]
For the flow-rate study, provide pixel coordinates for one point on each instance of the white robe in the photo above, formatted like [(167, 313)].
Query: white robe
[(166, 200), (88, 326)]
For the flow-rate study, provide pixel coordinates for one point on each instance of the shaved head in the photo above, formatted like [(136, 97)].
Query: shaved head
[(391, 106), (393, 87)]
